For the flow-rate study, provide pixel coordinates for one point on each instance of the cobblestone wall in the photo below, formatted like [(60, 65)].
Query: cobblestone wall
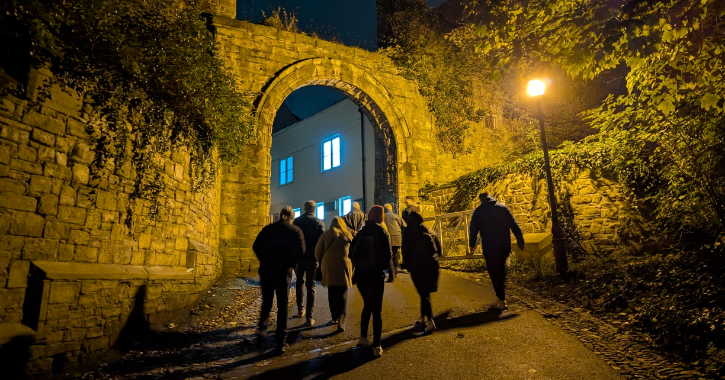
[(596, 205), (55, 208)]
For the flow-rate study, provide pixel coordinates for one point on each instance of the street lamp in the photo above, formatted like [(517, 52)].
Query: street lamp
[(536, 90)]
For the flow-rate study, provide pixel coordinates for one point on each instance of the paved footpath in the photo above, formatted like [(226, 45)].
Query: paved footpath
[(471, 342)]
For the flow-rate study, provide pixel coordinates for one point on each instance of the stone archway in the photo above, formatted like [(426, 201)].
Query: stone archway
[(357, 85)]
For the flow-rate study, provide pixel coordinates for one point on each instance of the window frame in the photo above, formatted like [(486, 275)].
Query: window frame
[(317, 210), (341, 203), (287, 161), (296, 213), (331, 140)]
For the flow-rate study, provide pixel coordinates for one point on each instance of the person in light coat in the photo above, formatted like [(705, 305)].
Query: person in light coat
[(332, 252)]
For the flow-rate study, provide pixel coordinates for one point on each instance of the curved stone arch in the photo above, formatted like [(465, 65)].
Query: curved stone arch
[(364, 90)]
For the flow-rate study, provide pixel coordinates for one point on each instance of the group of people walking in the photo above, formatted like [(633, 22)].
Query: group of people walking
[(358, 249)]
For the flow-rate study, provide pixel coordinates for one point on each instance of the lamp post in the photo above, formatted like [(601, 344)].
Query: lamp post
[(536, 90)]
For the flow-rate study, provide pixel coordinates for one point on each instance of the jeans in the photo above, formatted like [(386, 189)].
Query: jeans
[(426, 309), (337, 296), (371, 289), (276, 281), (496, 266), (305, 273)]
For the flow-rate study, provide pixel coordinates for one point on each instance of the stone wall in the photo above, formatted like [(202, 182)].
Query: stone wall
[(597, 207), (55, 208)]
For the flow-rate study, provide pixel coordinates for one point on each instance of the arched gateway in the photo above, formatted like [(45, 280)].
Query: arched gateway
[(272, 64)]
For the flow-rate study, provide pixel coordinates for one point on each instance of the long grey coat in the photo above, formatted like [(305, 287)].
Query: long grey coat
[(333, 254)]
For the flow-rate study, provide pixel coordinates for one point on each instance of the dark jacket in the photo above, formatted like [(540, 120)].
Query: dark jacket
[(383, 251), (493, 221), (408, 210), (312, 228), (420, 254), (395, 226), (279, 245), (355, 220)]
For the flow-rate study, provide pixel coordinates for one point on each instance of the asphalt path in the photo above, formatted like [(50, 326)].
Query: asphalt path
[(472, 342)]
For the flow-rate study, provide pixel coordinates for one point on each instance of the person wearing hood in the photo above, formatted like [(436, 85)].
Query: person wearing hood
[(493, 221), (395, 225), (279, 246), (370, 252), (355, 219), (421, 247), (332, 252), (312, 228), (410, 206)]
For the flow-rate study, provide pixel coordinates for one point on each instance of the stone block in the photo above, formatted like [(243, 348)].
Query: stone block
[(81, 174), (55, 230), (48, 204), (96, 344), (40, 185), (77, 128), (44, 122), (43, 137), (64, 292), (17, 202), (27, 153), (18, 274), (13, 134), (67, 196), (4, 154), (75, 215), (85, 254), (56, 171), (27, 224), (82, 154), (40, 249), (26, 166), (8, 185), (46, 154), (65, 252), (106, 200), (75, 334), (5, 257)]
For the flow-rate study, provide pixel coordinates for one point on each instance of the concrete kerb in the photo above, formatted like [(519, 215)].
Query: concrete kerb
[(53, 270)]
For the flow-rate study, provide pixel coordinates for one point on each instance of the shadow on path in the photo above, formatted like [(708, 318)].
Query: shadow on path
[(331, 365)]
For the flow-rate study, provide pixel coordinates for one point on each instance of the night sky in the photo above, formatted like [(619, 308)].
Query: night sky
[(353, 21)]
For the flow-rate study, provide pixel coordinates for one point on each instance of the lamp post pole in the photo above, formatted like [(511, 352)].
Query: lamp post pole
[(562, 263)]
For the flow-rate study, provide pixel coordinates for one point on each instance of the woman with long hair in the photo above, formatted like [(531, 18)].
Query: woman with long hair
[(332, 252)]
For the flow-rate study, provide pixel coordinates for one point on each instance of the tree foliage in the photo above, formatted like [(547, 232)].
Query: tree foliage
[(150, 76), (672, 53)]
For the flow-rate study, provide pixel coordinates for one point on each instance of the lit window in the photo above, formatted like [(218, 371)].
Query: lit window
[(320, 212), (345, 205), (331, 153), (297, 213), (285, 171)]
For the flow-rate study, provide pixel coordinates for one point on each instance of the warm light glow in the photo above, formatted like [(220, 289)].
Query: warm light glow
[(536, 87)]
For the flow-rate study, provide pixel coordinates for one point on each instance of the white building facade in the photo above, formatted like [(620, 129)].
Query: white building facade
[(321, 158)]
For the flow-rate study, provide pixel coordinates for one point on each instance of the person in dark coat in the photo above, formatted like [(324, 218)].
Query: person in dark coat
[(370, 253), (493, 221), (395, 226), (279, 246), (312, 228), (421, 247), (410, 207), (355, 218)]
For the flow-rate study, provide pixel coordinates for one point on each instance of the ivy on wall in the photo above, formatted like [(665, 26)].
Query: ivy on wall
[(150, 75)]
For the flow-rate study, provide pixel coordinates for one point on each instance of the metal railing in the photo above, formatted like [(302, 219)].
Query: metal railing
[(452, 231)]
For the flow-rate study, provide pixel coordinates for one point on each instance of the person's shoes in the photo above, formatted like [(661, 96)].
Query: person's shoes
[(300, 314), (341, 323), (310, 322), (500, 305), (430, 327), (400, 270), (390, 279), (377, 352), (282, 347), (363, 342), (261, 336), (420, 321), (332, 322)]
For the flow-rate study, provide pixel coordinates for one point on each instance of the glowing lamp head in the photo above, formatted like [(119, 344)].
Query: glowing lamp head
[(536, 88)]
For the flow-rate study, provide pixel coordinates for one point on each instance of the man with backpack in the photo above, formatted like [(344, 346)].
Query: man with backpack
[(279, 246), (312, 228), (370, 253)]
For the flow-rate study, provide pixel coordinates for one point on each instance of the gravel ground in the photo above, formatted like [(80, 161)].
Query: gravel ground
[(626, 353)]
